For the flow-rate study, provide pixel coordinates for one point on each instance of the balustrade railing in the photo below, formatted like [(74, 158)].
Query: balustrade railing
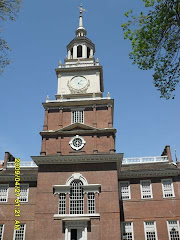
[(22, 164), (78, 64), (145, 160)]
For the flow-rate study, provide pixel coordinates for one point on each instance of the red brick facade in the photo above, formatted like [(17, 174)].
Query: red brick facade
[(75, 189)]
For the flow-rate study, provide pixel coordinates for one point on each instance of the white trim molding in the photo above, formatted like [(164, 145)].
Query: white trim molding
[(57, 189), (77, 176), (66, 217), (77, 142)]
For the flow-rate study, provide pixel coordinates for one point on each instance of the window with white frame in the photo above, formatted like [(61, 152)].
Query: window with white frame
[(91, 202), (20, 234), (150, 230), (1, 231), (62, 203), (77, 116), (24, 191), (173, 230), (125, 190), (4, 192), (76, 198), (127, 231), (167, 186), (146, 189)]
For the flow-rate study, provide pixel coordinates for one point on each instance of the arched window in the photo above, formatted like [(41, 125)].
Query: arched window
[(88, 52), (79, 51), (71, 53), (76, 197)]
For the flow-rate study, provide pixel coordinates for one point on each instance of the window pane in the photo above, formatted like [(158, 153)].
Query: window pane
[(125, 190), (167, 188), (173, 229), (24, 188), (20, 234), (77, 116), (3, 193), (146, 189), (91, 203), (1, 231), (127, 231), (76, 198), (150, 230), (62, 203)]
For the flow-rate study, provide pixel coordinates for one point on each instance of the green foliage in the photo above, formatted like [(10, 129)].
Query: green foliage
[(155, 40), (8, 11)]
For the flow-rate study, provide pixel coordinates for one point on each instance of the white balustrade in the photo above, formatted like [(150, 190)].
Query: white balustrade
[(22, 164), (78, 64), (145, 160)]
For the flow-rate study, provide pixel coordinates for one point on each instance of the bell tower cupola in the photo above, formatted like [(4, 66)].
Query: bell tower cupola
[(81, 75), (80, 47)]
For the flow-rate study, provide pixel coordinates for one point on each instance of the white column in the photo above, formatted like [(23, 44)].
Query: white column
[(84, 51), (69, 54), (91, 53), (75, 52), (66, 233), (69, 234), (85, 233)]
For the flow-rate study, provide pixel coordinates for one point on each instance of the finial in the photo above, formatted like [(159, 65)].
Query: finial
[(97, 62), (47, 98), (60, 64), (108, 95), (81, 10)]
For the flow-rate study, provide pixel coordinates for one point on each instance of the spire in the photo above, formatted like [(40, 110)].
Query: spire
[(81, 32)]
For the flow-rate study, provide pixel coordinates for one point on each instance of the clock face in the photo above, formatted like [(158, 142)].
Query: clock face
[(78, 83)]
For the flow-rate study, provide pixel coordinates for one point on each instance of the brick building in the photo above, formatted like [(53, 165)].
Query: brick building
[(79, 188)]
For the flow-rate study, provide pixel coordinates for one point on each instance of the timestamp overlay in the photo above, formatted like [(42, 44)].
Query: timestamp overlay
[(17, 171)]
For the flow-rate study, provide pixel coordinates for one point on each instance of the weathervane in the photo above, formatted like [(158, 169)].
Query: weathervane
[(81, 9)]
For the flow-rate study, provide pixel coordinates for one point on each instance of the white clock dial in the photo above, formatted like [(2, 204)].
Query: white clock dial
[(78, 82)]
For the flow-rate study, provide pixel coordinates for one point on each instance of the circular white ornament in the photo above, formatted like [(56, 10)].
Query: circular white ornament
[(77, 142)]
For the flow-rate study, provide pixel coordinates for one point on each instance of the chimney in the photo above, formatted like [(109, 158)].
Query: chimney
[(167, 152)]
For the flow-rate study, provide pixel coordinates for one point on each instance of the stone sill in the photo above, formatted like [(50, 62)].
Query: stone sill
[(76, 216)]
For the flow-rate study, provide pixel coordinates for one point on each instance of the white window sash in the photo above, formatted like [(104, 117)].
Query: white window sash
[(165, 190), (77, 116), (149, 192), (175, 226), (14, 237), (62, 203), (2, 233), (91, 202), (6, 196), (150, 228), (127, 194), (128, 229), (27, 193)]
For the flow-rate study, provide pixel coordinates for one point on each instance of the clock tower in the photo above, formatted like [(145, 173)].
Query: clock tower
[(81, 75), (78, 164)]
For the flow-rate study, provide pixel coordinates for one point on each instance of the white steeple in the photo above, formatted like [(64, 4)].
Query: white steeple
[(80, 32), (80, 48)]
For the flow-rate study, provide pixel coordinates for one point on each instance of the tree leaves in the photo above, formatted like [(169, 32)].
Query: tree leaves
[(155, 40), (8, 11)]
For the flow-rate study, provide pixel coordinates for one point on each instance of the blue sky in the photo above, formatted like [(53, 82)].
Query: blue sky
[(145, 123)]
